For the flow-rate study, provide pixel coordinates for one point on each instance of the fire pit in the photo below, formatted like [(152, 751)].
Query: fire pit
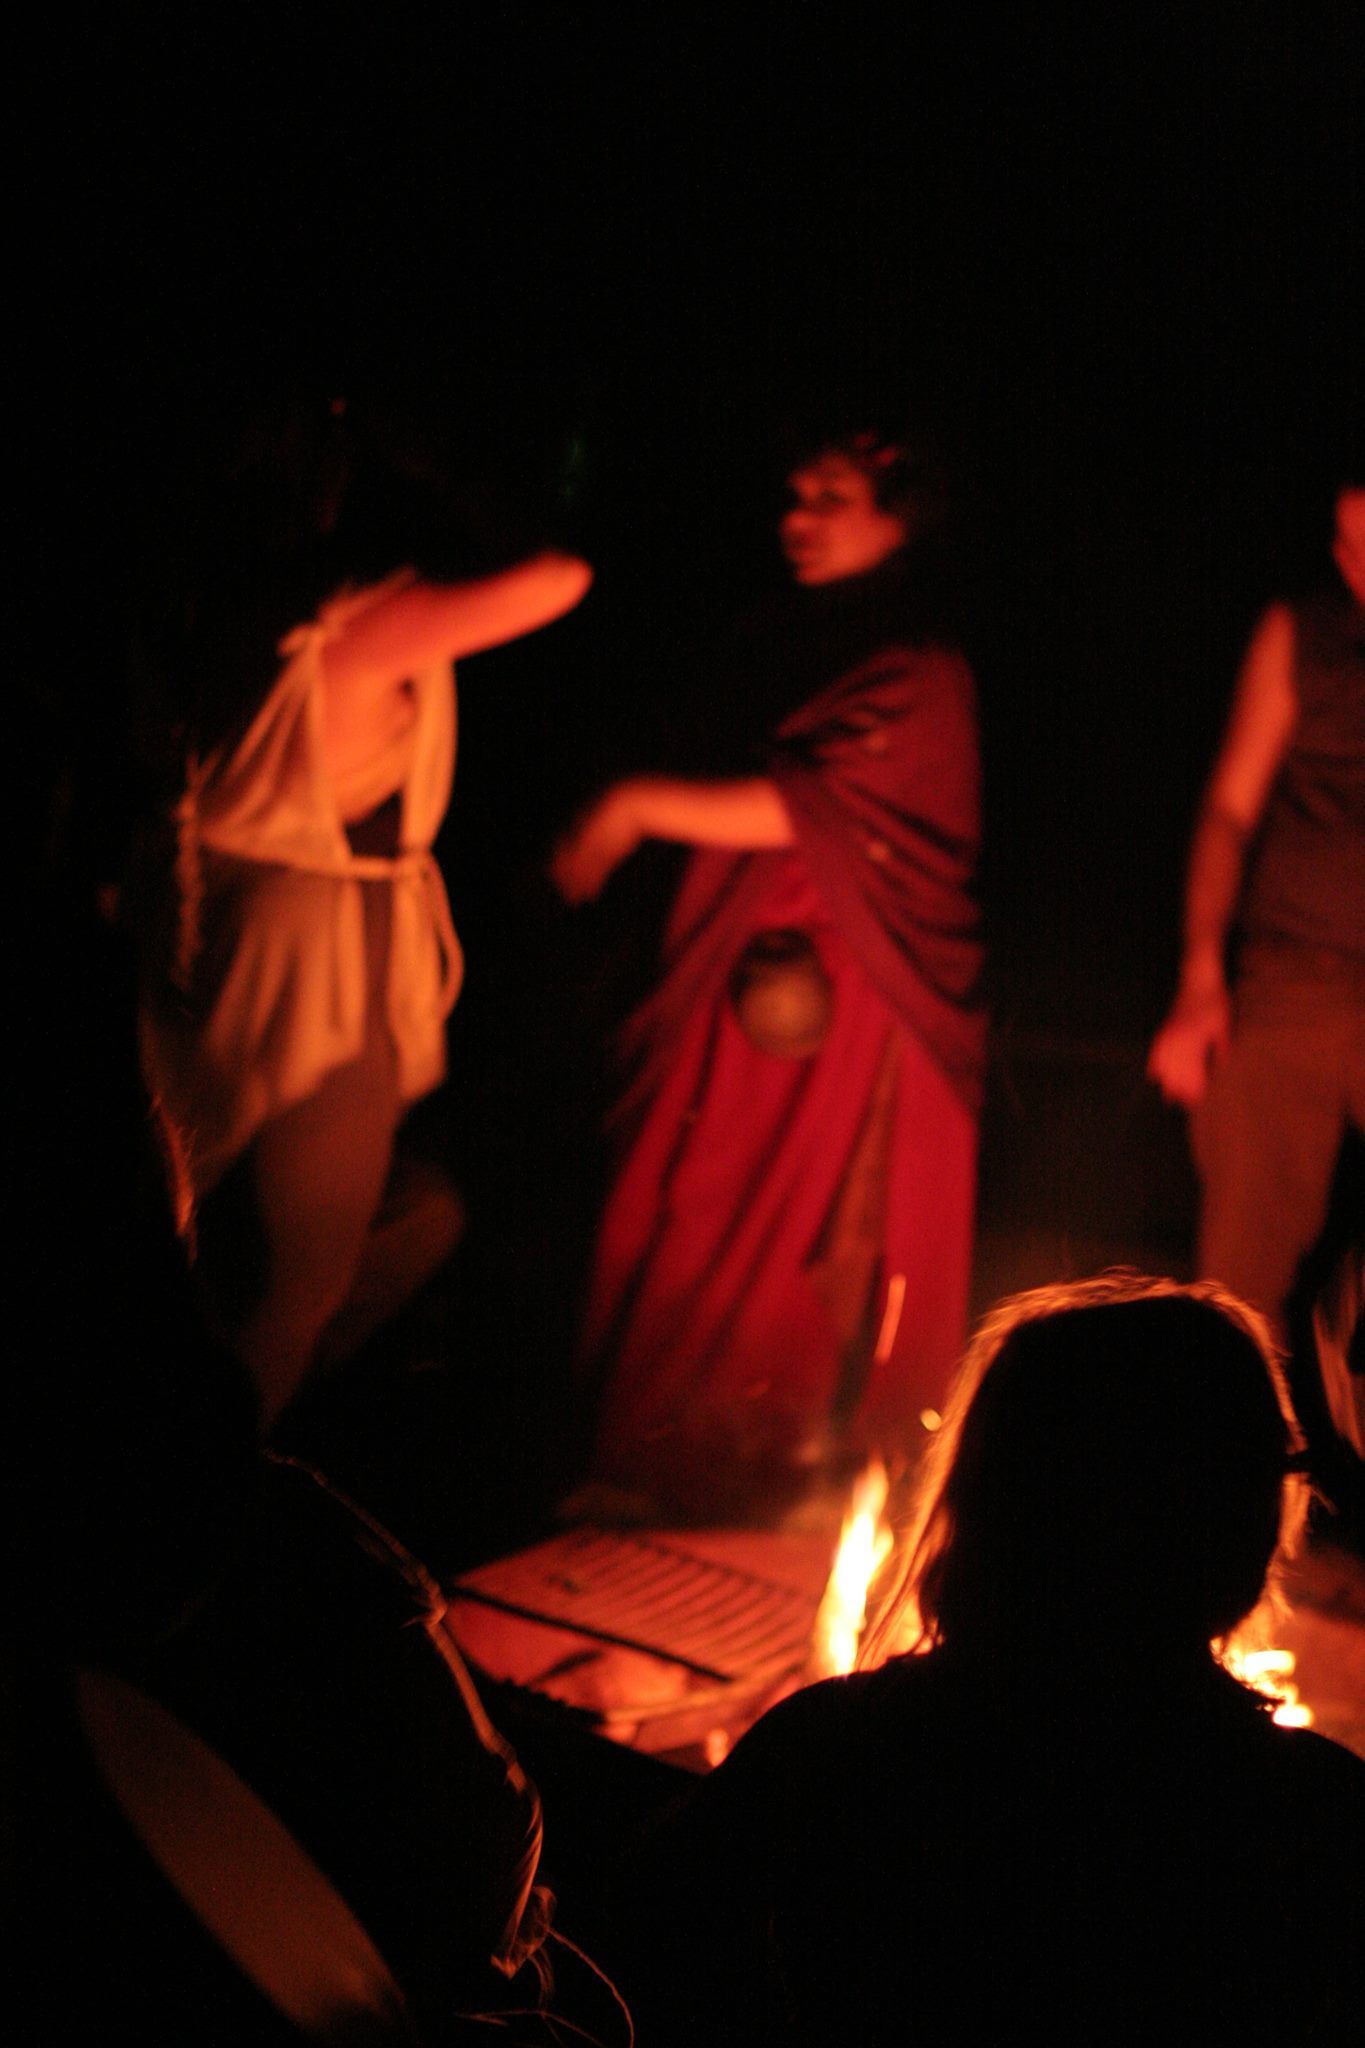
[(670, 1641), (673, 1642)]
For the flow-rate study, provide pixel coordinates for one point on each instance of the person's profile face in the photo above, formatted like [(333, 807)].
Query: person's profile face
[(1348, 545), (833, 526)]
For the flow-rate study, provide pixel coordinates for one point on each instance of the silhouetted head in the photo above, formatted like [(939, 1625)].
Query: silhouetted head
[(274, 498), (300, 475), (1112, 1475)]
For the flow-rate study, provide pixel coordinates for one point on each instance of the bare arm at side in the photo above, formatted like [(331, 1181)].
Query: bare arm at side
[(1264, 713), (740, 814)]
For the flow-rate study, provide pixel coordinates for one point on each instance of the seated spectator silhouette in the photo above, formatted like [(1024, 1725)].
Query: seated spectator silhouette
[(1062, 1819), (254, 1790)]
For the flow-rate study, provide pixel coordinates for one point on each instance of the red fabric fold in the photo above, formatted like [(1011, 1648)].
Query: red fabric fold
[(714, 1316)]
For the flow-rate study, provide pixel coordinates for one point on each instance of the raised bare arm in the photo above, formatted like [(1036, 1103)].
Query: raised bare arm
[(420, 624)]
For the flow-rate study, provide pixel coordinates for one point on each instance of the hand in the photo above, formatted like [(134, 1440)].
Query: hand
[(593, 848), (1189, 1045)]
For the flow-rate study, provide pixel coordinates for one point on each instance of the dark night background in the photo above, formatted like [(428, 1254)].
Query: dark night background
[(1117, 252), (1121, 258)]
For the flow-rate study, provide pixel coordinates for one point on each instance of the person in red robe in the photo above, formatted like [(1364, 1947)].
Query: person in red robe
[(781, 1274)]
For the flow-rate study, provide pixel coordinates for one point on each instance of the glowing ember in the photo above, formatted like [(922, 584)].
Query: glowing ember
[(1270, 1672), (864, 1544)]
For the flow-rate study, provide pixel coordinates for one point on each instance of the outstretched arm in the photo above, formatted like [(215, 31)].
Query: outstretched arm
[(1264, 712), (739, 814), (420, 624)]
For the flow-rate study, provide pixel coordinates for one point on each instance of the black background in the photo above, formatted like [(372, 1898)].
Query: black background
[(1119, 251)]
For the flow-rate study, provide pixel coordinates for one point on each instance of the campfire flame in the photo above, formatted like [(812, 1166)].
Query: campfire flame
[(865, 1542), (1270, 1672)]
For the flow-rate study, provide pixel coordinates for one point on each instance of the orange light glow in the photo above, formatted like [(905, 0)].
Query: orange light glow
[(865, 1542), (1270, 1672)]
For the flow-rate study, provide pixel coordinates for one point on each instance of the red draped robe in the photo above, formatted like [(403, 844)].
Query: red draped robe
[(786, 1245)]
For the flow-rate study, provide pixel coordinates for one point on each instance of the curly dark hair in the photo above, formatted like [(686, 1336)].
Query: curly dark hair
[(906, 463)]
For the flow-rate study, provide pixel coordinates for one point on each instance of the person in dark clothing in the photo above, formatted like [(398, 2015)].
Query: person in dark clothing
[(219, 1604), (1269, 1057), (1061, 1819)]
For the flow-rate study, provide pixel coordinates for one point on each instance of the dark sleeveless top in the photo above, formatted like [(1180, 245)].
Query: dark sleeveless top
[(1306, 885)]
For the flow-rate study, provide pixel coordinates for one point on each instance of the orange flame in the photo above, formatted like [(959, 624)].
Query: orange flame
[(864, 1544), (1270, 1672)]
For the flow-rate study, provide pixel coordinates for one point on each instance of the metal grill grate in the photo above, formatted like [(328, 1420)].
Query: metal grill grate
[(643, 1593)]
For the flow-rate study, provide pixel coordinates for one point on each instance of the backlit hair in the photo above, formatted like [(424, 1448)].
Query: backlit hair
[(1113, 1468)]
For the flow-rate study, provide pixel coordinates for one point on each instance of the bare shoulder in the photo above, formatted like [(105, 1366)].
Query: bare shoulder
[(410, 624)]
